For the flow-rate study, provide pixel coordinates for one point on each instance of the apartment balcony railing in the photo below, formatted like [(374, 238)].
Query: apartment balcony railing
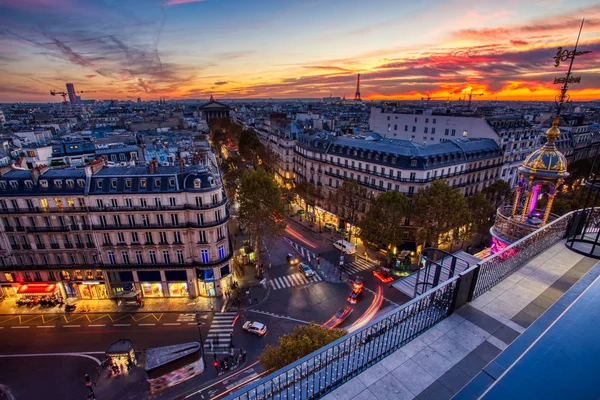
[(322, 371), (64, 228), (182, 207), (207, 224)]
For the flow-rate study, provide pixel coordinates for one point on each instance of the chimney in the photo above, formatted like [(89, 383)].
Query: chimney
[(181, 165), (152, 166), (36, 172)]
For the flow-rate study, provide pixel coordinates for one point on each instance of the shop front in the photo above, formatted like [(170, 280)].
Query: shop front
[(151, 284), (214, 281), (38, 293), (92, 290), (177, 284), (120, 281), (10, 287)]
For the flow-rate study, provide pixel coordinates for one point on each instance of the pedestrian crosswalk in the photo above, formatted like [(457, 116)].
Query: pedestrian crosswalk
[(297, 279), (219, 334), (186, 318), (357, 266)]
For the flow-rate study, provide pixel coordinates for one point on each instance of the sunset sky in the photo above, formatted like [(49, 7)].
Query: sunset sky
[(125, 49)]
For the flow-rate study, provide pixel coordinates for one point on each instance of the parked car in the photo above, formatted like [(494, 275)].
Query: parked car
[(345, 246), (256, 328), (355, 296), (292, 259), (306, 270)]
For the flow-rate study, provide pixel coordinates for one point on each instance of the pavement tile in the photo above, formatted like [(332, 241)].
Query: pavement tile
[(394, 360), (389, 387), (486, 351), (364, 395), (472, 364), (506, 334), (433, 362), (373, 374), (349, 389), (484, 321), (431, 335), (435, 391), (468, 337), (448, 323), (454, 380), (450, 349), (411, 375), (413, 347)]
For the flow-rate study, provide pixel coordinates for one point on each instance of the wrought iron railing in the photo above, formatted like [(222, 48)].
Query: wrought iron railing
[(495, 268), (510, 229), (332, 365)]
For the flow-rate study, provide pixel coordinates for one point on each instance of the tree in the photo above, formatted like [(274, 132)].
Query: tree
[(218, 137), (348, 201), (260, 207), (303, 340), (437, 211), (311, 195), (384, 222), (482, 211), (498, 193), (249, 146)]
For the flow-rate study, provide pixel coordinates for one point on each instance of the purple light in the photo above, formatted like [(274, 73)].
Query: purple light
[(534, 195)]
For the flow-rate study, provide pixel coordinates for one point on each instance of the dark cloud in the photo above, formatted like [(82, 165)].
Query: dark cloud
[(221, 83), (326, 67)]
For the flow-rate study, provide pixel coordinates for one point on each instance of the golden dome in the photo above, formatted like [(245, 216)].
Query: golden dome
[(548, 162)]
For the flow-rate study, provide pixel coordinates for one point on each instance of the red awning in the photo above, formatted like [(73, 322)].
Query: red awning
[(37, 288)]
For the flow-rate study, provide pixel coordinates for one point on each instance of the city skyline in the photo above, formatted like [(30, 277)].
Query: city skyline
[(180, 49)]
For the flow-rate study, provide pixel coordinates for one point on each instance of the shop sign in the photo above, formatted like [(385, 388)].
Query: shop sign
[(90, 282)]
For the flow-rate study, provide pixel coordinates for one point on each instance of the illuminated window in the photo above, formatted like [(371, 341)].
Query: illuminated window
[(58, 202), (70, 202), (44, 184), (44, 204)]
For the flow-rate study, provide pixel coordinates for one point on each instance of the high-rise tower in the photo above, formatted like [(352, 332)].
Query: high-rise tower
[(71, 92), (357, 94)]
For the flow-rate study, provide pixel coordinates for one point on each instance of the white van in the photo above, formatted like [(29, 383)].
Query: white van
[(345, 246)]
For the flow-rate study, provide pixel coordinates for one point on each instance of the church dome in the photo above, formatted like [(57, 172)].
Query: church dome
[(547, 162)]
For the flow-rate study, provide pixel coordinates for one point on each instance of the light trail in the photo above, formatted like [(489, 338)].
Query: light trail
[(370, 313), (299, 236)]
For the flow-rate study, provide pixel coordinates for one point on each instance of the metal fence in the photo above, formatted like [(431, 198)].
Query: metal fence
[(318, 373)]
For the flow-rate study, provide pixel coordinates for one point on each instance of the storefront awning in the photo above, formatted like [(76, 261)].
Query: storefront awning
[(37, 288)]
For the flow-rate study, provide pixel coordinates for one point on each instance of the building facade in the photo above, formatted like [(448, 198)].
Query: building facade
[(93, 232)]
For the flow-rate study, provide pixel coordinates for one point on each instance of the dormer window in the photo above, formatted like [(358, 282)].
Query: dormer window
[(3, 185), (44, 184), (157, 183), (29, 184), (128, 183), (197, 183), (143, 183), (113, 183), (171, 182), (413, 163), (13, 184), (99, 184), (81, 183), (211, 181), (58, 183), (70, 183)]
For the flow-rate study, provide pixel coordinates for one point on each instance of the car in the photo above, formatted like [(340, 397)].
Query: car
[(383, 276), (306, 270), (329, 227), (254, 327), (292, 259), (354, 296), (338, 318), (357, 282)]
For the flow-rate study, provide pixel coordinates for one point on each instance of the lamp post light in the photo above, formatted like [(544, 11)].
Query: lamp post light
[(199, 324)]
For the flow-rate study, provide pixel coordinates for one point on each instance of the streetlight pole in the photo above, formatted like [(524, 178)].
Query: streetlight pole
[(199, 324)]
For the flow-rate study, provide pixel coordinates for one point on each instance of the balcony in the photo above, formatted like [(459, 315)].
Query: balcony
[(90, 245), (64, 228), (208, 224), (26, 246), (40, 246), (181, 207), (450, 333), (79, 245), (54, 246), (15, 246), (68, 245)]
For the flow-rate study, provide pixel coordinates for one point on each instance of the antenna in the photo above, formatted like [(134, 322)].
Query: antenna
[(357, 94), (564, 55)]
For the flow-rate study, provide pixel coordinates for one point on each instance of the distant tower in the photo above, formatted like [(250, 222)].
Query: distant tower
[(71, 92), (357, 94)]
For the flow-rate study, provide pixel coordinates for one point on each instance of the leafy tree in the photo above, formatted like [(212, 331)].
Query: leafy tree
[(218, 137), (348, 202), (260, 206), (249, 146), (439, 210), (269, 158), (384, 222), (303, 340), (481, 213), (311, 195), (498, 193)]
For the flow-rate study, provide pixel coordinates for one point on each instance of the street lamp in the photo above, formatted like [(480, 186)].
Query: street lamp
[(199, 324)]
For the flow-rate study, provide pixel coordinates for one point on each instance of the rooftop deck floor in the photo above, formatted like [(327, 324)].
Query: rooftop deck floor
[(441, 361)]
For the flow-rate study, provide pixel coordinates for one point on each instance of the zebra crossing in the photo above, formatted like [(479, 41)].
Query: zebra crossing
[(287, 281), (219, 334), (357, 266)]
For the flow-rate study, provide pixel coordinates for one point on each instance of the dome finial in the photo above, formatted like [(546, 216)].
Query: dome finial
[(553, 133)]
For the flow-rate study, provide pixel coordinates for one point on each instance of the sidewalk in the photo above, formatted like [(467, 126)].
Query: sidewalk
[(184, 305), (250, 290)]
